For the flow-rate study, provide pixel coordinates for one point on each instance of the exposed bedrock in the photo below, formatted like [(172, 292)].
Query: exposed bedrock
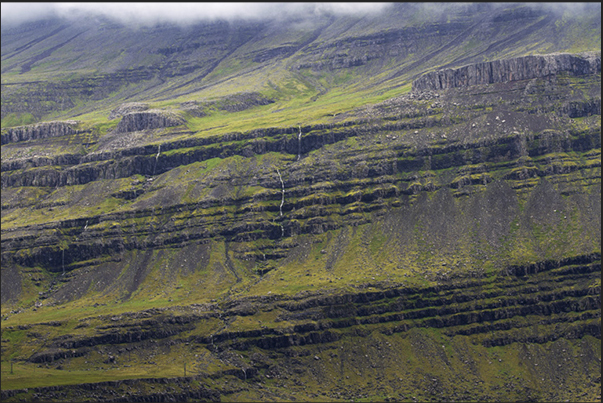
[(465, 307), (77, 170), (581, 109), (507, 70), (129, 107), (150, 119), (39, 131)]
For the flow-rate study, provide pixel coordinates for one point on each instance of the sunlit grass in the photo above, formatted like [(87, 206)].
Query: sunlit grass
[(301, 98), (29, 375)]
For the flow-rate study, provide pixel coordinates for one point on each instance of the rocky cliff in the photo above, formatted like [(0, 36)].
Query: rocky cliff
[(38, 131), (508, 70), (281, 215), (253, 53), (147, 119), (330, 178)]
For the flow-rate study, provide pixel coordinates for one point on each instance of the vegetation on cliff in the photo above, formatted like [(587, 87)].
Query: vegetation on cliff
[(256, 211)]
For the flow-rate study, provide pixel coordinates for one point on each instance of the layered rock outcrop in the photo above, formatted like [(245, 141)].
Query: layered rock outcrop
[(499, 71), (127, 108), (39, 131), (151, 119)]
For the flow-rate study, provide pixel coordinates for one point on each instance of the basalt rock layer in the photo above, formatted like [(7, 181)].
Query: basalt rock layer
[(296, 241), (38, 131), (500, 71), (446, 196), (150, 119)]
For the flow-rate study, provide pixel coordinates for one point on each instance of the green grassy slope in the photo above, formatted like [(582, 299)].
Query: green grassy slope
[(331, 59), (314, 230)]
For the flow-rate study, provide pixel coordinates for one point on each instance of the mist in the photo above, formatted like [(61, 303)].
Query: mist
[(150, 14), (180, 13)]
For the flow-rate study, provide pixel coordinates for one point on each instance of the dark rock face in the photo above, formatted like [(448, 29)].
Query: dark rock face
[(499, 71), (319, 327), (143, 120), (376, 252), (39, 131), (581, 109)]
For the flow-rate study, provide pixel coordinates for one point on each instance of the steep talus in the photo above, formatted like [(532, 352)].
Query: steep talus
[(161, 389), (378, 184), (208, 54), (491, 313), (345, 178), (359, 176)]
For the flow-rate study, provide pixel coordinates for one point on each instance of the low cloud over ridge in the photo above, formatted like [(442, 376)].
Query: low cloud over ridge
[(181, 13)]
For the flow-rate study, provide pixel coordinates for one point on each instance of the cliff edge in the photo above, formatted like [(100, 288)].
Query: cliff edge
[(507, 70)]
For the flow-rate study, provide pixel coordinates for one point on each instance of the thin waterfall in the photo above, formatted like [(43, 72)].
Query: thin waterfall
[(282, 200), (283, 186), (156, 158), (299, 144)]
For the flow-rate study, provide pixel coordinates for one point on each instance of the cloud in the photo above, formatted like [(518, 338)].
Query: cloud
[(17, 13), (182, 13), (145, 14), (560, 8)]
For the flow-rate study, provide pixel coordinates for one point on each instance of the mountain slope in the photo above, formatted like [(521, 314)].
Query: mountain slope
[(401, 207), (107, 63)]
